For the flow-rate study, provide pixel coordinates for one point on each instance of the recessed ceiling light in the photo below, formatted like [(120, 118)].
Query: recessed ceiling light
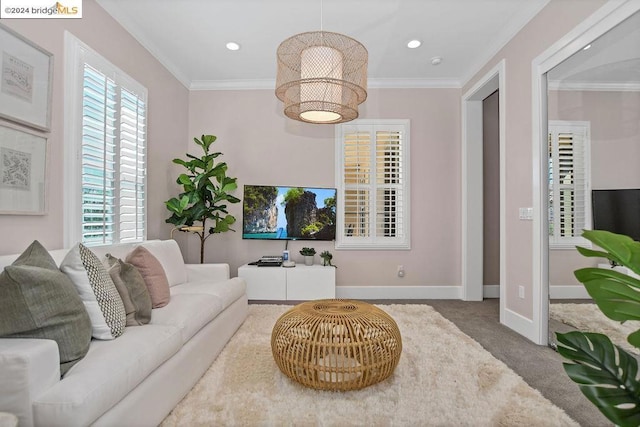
[(414, 44), (233, 46), (587, 47), (436, 60)]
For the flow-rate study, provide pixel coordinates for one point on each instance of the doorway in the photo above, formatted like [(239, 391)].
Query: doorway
[(472, 187)]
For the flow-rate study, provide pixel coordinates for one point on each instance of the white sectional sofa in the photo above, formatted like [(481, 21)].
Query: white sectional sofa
[(137, 378)]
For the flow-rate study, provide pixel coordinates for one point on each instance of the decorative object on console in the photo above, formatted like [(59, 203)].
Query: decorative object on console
[(132, 289), (308, 254), (97, 291), (206, 192), (153, 274), (37, 300), (326, 258), (322, 76), (607, 374)]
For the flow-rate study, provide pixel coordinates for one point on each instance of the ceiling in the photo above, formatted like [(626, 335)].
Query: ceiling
[(189, 36), (610, 62)]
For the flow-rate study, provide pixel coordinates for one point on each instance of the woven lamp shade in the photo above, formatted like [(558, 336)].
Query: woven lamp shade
[(322, 77)]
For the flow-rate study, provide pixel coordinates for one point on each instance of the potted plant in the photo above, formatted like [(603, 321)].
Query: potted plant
[(206, 193), (606, 373), (326, 258), (308, 254)]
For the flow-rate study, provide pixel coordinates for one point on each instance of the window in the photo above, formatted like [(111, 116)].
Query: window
[(106, 169), (569, 187), (372, 167)]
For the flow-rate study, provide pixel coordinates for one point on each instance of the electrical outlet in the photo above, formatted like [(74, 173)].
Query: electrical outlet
[(521, 291), (400, 271)]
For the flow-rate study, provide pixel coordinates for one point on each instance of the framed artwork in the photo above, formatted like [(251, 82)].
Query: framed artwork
[(25, 81), (23, 159)]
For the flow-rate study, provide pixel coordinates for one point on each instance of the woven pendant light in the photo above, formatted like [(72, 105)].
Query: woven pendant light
[(322, 77)]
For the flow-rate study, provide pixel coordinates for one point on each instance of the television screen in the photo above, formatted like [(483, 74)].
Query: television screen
[(617, 211), (288, 213)]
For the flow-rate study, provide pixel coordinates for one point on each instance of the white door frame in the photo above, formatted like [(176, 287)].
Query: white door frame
[(472, 178), (601, 21)]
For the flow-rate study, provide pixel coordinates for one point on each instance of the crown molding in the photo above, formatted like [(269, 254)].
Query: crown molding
[(595, 86), (506, 36), (127, 23), (270, 84)]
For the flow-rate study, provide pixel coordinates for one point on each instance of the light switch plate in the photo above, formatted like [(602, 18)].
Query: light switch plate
[(526, 214)]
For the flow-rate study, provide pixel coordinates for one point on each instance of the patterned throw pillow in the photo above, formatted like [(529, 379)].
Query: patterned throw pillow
[(39, 301), (153, 274), (132, 290), (97, 291)]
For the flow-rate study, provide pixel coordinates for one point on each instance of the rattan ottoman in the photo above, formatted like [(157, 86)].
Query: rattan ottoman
[(336, 344)]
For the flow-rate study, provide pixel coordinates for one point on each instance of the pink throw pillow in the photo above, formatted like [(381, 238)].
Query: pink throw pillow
[(153, 274)]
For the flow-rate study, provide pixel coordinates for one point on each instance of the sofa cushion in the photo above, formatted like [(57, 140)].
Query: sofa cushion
[(109, 372), (189, 312), (170, 257), (97, 291), (153, 274), (228, 291), (132, 290), (39, 301)]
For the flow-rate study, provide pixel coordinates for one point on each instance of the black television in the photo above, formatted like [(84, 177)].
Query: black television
[(288, 213), (617, 211)]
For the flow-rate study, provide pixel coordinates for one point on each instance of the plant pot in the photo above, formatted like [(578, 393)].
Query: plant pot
[(308, 260)]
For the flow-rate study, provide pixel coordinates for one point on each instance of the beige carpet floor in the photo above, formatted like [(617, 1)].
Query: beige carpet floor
[(589, 318), (444, 378)]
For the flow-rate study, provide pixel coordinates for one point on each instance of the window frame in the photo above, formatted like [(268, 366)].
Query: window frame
[(559, 242), (374, 241), (77, 54)]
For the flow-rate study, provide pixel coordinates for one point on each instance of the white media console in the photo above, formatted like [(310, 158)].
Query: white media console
[(299, 283)]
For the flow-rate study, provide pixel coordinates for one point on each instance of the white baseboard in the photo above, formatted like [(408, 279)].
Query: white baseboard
[(410, 292), (520, 324), (491, 291), (399, 292), (568, 292)]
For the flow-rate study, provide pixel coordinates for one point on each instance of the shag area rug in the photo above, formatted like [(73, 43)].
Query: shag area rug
[(444, 378), (589, 318)]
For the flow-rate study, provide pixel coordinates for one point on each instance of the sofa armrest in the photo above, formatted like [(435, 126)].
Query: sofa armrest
[(212, 272), (28, 367)]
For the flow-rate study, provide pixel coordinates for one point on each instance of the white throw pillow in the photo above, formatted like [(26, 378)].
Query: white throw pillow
[(97, 291)]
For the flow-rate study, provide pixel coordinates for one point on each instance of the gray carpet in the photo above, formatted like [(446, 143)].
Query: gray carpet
[(539, 366)]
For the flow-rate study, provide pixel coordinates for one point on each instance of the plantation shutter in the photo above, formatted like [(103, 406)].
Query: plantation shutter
[(113, 160), (569, 192), (99, 104), (373, 181)]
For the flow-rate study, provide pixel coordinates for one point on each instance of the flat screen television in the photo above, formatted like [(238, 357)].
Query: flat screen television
[(617, 211), (288, 213)]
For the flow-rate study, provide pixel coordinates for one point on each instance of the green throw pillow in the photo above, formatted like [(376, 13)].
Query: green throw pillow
[(39, 301), (132, 290)]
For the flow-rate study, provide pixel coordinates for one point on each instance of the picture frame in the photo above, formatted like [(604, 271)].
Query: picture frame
[(23, 169), (26, 72)]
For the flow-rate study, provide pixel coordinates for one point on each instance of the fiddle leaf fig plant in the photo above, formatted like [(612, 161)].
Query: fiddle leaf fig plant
[(206, 193), (606, 374)]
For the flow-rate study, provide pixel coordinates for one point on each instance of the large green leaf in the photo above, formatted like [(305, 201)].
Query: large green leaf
[(620, 248), (606, 375), (617, 294)]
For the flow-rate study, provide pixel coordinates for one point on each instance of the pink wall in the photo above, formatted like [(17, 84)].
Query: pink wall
[(615, 150), (167, 124), (261, 146), (553, 22)]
